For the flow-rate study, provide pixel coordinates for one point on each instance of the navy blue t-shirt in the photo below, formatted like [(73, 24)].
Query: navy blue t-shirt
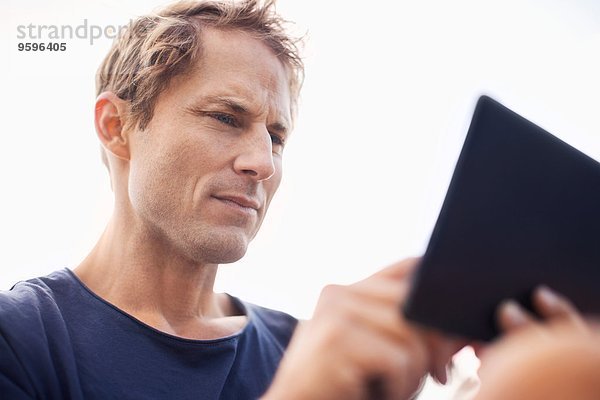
[(58, 340)]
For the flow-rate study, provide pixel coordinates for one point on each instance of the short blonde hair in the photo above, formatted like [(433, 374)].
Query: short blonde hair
[(155, 48)]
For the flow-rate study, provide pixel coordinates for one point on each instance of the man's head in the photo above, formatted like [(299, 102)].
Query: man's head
[(194, 107)]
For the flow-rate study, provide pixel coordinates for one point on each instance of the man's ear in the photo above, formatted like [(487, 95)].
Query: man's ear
[(110, 113)]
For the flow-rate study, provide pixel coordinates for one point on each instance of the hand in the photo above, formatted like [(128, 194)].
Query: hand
[(549, 305), (358, 345), (559, 356)]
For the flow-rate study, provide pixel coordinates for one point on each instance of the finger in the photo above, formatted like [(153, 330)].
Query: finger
[(375, 305), (406, 370), (439, 374), (393, 370), (511, 315), (385, 291), (550, 304), (382, 317), (400, 269), (441, 350), (479, 348)]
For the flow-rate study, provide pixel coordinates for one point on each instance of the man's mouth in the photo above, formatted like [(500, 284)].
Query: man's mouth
[(243, 203)]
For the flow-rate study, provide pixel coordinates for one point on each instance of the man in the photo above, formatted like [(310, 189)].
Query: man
[(194, 109)]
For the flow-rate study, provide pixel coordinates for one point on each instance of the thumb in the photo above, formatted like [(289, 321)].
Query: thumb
[(400, 269)]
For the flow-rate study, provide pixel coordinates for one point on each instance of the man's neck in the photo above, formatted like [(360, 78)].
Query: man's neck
[(130, 269)]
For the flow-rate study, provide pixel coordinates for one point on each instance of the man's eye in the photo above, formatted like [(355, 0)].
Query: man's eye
[(224, 118), (276, 140)]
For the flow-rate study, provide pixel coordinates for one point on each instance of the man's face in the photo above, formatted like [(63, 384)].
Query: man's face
[(204, 171)]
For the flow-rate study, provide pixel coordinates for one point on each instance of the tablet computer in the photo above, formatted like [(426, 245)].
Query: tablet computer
[(522, 209)]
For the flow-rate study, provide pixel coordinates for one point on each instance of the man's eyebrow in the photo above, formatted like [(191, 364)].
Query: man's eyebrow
[(278, 127), (228, 102)]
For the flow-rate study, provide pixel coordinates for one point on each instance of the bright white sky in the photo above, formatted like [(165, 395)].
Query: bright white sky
[(389, 91)]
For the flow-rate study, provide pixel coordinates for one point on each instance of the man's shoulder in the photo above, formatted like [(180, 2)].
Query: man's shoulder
[(271, 316), (31, 315), (34, 337), (28, 303), (278, 324), (32, 292)]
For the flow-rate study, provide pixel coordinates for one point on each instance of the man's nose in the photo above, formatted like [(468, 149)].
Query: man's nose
[(255, 158)]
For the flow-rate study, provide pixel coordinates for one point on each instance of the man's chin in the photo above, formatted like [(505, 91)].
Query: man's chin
[(221, 248), (230, 257)]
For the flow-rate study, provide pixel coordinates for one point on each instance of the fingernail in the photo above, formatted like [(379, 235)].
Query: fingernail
[(547, 295), (513, 312), (443, 378), (439, 375)]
